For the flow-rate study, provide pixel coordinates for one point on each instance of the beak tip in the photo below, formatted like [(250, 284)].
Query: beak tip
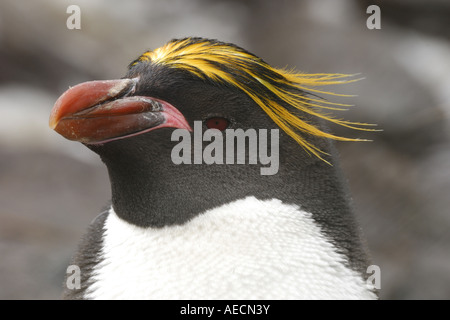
[(54, 118), (52, 124)]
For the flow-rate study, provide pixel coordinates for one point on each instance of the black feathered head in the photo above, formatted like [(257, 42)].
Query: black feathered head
[(228, 64)]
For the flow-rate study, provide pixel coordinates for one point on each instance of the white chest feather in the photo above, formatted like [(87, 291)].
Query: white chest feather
[(248, 249)]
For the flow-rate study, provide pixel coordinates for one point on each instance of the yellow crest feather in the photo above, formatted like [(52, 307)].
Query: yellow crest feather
[(228, 64)]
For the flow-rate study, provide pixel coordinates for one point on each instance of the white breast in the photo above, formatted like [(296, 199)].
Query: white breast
[(248, 249)]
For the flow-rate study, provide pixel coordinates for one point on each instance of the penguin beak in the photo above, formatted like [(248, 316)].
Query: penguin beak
[(101, 111)]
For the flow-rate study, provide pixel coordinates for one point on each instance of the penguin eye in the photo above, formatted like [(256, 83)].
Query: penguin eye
[(217, 123)]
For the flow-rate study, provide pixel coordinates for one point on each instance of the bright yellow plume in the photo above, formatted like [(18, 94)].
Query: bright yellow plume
[(274, 90)]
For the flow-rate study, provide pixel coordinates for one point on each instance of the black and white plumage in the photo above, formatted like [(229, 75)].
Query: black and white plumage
[(212, 231)]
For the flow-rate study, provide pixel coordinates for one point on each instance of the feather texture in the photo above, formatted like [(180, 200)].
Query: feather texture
[(279, 92)]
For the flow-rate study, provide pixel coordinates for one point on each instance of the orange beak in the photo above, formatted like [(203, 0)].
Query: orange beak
[(102, 111)]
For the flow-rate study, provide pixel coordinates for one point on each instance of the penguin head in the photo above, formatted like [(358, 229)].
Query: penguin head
[(188, 84)]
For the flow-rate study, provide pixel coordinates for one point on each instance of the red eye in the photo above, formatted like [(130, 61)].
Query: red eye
[(217, 123)]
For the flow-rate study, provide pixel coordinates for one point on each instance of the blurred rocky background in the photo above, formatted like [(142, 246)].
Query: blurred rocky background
[(50, 188)]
